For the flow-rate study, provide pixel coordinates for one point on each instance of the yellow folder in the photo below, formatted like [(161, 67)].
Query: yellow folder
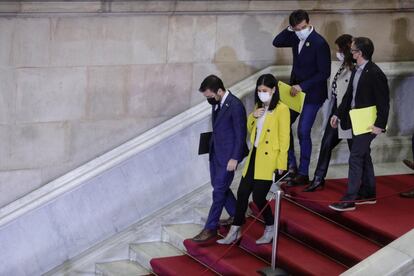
[(362, 119), (294, 103)]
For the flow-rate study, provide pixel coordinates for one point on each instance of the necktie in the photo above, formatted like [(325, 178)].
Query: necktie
[(216, 112)]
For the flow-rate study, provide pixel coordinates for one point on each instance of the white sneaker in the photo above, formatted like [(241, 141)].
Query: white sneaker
[(233, 234), (267, 235)]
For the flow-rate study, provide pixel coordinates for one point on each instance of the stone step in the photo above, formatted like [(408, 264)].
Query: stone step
[(120, 268), (175, 234), (202, 212), (142, 253)]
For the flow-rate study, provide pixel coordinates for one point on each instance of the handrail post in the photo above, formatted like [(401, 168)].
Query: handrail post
[(278, 193), (278, 198)]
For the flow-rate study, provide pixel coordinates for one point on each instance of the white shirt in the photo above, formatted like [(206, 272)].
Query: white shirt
[(302, 42), (223, 99), (259, 127)]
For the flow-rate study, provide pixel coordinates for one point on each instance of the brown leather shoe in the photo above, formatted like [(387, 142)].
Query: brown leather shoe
[(409, 163), (205, 235), (409, 194), (226, 222)]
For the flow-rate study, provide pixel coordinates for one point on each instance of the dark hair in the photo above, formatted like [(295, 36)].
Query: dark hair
[(296, 17), (365, 45), (344, 44), (212, 83), (270, 81)]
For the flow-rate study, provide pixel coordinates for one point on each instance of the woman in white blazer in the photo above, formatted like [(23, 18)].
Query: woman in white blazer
[(332, 136)]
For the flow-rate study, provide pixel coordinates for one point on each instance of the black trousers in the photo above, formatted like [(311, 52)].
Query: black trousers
[(412, 145), (361, 177), (329, 141), (259, 188)]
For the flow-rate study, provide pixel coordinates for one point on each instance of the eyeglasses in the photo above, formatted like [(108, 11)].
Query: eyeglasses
[(354, 50)]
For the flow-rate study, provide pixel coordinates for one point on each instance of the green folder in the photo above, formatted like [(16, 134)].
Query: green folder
[(362, 119), (294, 103)]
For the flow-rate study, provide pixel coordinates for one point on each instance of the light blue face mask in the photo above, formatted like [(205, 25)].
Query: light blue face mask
[(340, 56), (264, 96), (303, 34)]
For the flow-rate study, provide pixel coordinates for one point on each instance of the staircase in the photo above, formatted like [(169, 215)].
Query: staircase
[(96, 217), (310, 243)]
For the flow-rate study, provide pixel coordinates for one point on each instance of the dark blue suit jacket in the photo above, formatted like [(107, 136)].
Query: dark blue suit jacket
[(312, 67), (229, 132)]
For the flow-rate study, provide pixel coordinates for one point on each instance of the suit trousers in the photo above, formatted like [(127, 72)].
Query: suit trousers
[(361, 177), (259, 188), (306, 120), (222, 195), (329, 141), (412, 145)]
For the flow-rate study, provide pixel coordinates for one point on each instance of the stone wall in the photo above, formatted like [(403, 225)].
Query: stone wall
[(79, 78)]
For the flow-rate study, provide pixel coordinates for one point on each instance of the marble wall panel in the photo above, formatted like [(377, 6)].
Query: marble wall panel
[(247, 37), (159, 90), (120, 40), (15, 183), (191, 39), (106, 90), (31, 42), (35, 146), (90, 139), (7, 96), (7, 27), (50, 94)]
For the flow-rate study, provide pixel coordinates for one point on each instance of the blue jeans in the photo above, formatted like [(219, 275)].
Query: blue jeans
[(306, 120)]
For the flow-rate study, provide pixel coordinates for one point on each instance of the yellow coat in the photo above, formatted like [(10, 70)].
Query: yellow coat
[(272, 150)]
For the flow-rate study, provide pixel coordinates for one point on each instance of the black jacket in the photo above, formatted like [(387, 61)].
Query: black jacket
[(372, 90)]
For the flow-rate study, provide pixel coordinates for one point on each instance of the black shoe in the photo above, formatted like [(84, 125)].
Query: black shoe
[(409, 194), (299, 180), (342, 206), (292, 174), (360, 200), (317, 182), (409, 163)]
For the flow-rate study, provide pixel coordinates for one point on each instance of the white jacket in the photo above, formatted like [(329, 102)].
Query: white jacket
[(342, 84)]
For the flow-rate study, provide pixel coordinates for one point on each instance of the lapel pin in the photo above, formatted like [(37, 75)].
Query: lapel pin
[(307, 44)]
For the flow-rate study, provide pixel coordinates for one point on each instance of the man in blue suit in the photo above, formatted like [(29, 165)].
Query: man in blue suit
[(227, 149), (310, 72)]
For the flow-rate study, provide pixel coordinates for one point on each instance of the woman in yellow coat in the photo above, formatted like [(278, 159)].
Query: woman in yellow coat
[(269, 128)]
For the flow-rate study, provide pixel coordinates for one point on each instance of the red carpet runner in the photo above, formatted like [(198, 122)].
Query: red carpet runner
[(309, 244), (391, 217)]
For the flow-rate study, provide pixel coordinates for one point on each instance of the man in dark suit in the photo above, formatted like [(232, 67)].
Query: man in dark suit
[(310, 72), (227, 149), (368, 86)]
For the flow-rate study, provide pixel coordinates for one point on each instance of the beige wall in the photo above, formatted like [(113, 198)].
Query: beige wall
[(78, 79)]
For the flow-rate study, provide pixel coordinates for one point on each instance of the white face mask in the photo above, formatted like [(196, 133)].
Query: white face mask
[(264, 96), (340, 56), (303, 34)]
